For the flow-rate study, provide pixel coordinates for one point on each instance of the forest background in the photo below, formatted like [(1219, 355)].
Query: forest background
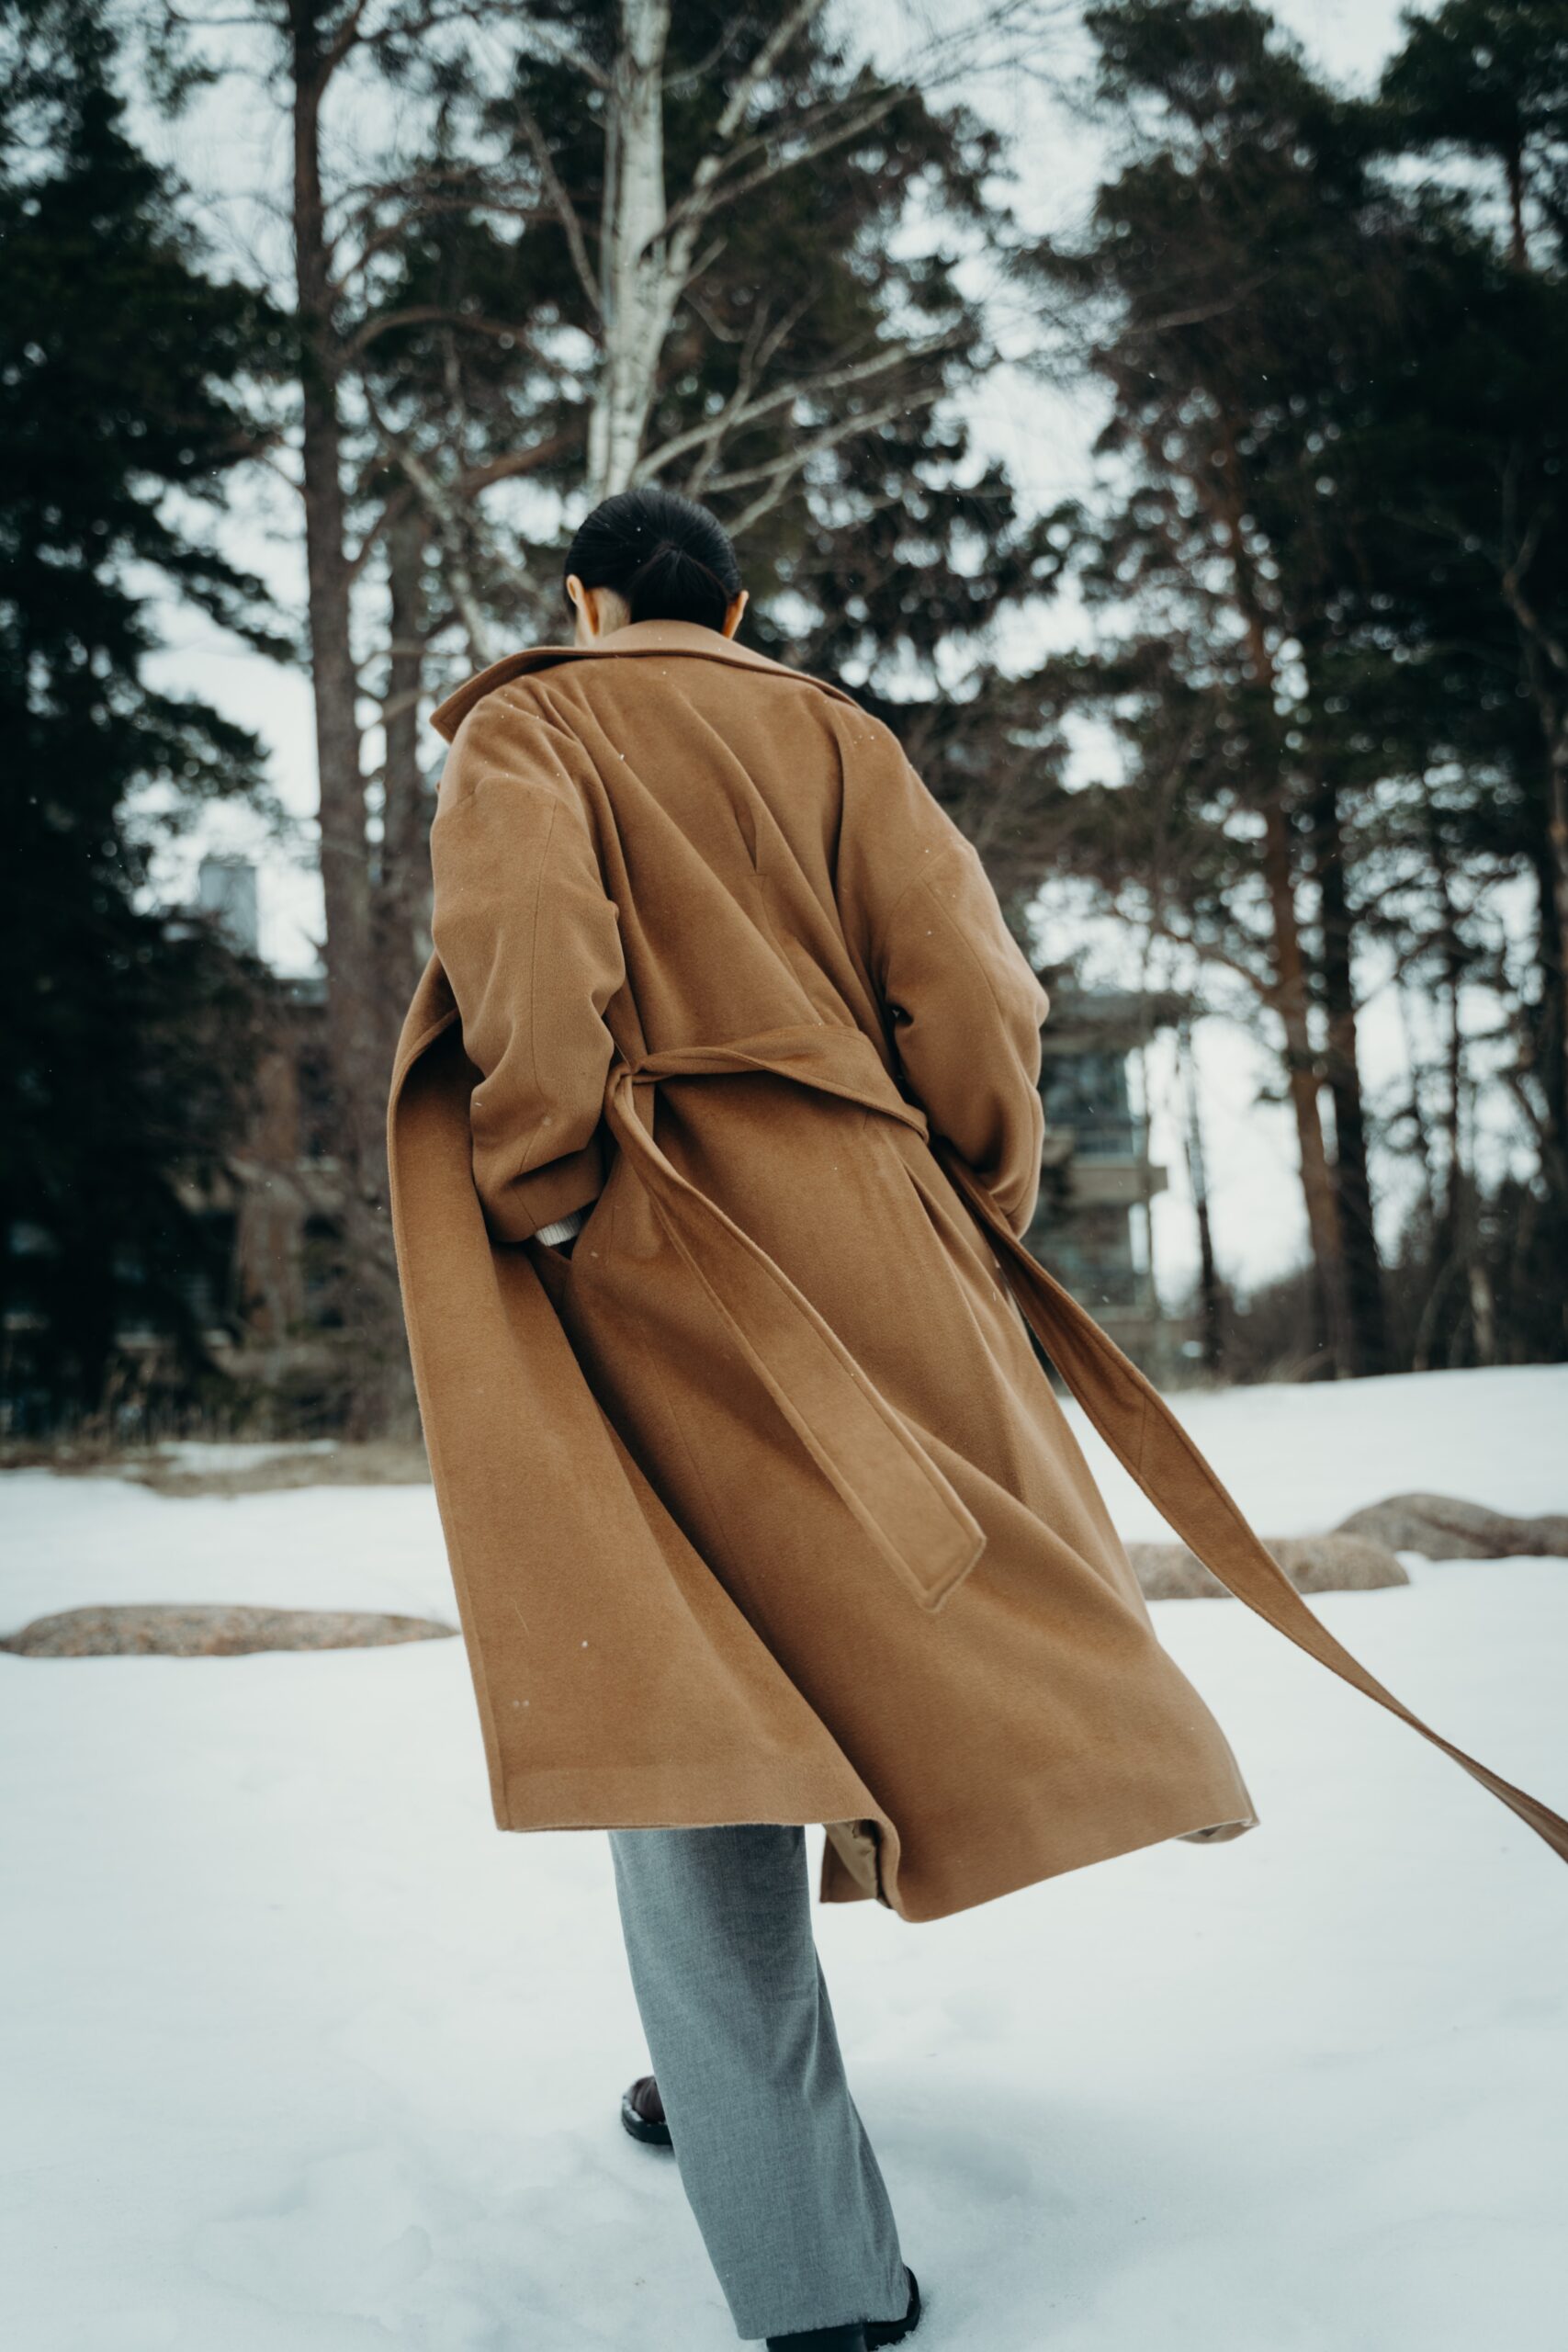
[(1157, 420)]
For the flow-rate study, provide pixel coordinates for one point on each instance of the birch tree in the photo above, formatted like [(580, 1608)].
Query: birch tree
[(652, 247)]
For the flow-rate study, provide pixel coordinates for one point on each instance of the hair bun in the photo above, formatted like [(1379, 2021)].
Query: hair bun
[(669, 558), (671, 577)]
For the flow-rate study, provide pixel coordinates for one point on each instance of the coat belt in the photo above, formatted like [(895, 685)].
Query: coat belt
[(865, 1449), (870, 1455), (1153, 1449)]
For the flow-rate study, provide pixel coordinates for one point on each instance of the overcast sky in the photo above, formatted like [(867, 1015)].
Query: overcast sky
[(1043, 441)]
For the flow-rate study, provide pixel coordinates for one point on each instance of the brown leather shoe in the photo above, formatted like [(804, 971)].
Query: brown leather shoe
[(642, 2112)]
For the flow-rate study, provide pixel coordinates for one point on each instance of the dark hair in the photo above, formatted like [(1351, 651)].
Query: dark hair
[(667, 556)]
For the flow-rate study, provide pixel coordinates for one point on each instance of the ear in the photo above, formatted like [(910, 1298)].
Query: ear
[(586, 603), (733, 611)]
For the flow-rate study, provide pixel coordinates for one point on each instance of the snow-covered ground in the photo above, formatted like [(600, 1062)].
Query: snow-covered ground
[(299, 2053)]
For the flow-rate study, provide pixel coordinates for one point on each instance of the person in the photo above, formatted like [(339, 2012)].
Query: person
[(716, 1128)]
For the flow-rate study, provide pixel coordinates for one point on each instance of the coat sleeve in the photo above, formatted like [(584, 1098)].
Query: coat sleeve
[(965, 1006), (531, 947)]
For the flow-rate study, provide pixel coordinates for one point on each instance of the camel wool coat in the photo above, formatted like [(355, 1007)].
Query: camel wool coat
[(759, 1503)]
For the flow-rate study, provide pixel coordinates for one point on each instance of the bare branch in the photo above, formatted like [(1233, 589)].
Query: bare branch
[(397, 28), (347, 36), (392, 233), (691, 76), (747, 85), (420, 314), (761, 343), (777, 477), (832, 380), (1200, 313), (847, 428), (562, 204), (518, 461), (447, 517), (1519, 604), (711, 190), (567, 54), (392, 511)]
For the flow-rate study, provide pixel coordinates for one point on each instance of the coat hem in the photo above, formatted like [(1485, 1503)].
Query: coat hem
[(621, 1798), (1030, 1868), (617, 1799)]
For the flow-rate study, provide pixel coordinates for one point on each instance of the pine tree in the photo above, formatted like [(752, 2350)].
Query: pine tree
[(1490, 78), (1332, 532), (1480, 454), (1238, 269), (121, 361)]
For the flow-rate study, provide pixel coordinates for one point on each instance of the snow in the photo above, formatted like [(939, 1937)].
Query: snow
[(1300, 1460), (299, 2053), (79, 1542)]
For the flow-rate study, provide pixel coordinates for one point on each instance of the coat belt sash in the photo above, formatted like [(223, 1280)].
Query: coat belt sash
[(1151, 1444), (869, 1453)]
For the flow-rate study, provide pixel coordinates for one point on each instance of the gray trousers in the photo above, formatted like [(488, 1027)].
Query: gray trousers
[(772, 2154)]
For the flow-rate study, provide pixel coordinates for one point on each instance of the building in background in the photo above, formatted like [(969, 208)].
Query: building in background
[(263, 1289), (1093, 1227), (237, 1328)]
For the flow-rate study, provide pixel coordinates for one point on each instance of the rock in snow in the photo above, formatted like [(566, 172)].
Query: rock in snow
[(198, 1632), (1444, 1529), (1314, 1563)]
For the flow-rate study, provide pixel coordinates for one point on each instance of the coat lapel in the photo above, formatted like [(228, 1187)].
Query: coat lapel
[(636, 642)]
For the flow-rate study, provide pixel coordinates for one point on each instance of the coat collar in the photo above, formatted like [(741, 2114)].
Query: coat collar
[(637, 637)]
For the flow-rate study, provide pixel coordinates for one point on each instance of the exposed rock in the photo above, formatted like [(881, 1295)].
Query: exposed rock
[(218, 1467), (1446, 1528), (141, 1630), (270, 1470), (1337, 1563)]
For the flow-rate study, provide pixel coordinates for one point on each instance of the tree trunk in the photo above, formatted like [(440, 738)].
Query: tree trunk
[(1451, 1215), (1513, 168), (354, 1032), (1451, 1221), (1365, 1313), (1549, 1019), (1290, 997), (635, 289), (1554, 930), (1549, 1047), (1420, 1124), (1482, 1313), (1546, 669), (1291, 1003), (404, 895), (1198, 1178)]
